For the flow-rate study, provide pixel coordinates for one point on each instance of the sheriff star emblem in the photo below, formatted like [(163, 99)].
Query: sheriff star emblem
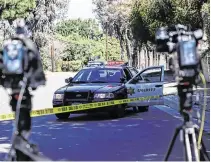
[(130, 91)]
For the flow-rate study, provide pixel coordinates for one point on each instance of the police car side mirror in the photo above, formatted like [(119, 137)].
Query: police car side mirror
[(68, 80)]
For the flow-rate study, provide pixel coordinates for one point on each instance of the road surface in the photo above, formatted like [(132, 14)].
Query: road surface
[(136, 137), (42, 96)]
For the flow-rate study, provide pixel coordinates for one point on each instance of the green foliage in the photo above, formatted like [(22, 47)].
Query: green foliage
[(206, 19), (84, 49), (85, 41), (45, 57), (12, 9), (135, 21), (75, 65), (154, 14), (187, 12), (84, 28)]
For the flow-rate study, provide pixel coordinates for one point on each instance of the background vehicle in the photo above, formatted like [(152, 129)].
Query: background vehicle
[(95, 84)]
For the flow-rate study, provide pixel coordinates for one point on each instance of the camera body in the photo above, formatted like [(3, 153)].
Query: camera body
[(18, 58), (185, 62), (177, 39)]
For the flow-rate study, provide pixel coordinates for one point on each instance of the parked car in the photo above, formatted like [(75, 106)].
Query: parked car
[(104, 83)]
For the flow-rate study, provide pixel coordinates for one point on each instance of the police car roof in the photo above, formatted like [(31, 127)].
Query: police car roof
[(95, 62), (105, 67)]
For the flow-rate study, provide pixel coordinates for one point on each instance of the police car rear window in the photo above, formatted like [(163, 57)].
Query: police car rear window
[(169, 76), (152, 75)]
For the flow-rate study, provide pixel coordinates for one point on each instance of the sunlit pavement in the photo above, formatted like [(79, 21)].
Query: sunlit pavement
[(140, 136), (42, 97)]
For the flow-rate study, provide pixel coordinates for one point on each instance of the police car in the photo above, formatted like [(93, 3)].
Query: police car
[(104, 83)]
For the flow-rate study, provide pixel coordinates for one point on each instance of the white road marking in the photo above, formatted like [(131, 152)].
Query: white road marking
[(5, 147)]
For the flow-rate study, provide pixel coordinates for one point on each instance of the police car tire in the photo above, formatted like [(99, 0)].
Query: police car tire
[(118, 112), (63, 115), (135, 109), (143, 108)]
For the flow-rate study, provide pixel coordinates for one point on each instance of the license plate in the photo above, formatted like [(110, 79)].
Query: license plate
[(75, 103)]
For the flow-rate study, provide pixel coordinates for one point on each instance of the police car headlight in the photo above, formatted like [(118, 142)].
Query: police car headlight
[(58, 96), (104, 95)]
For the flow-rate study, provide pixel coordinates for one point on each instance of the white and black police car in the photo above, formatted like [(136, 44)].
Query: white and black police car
[(105, 83)]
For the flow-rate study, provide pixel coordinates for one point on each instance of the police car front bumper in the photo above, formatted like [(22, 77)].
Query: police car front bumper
[(91, 110)]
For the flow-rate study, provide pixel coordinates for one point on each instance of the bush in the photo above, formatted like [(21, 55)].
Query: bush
[(59, 65), (75, 65)]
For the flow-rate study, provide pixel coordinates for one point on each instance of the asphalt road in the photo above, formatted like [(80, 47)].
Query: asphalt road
[(136, 137), (141, 136), (42, 96)]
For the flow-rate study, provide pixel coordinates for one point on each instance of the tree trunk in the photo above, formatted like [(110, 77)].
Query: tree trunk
[(148, 55), (135, 53), (148, 58), (121, 40), (139, 56), (128, 48), (158, 59), (122, 51), (153, 58), (145, 58), (166, 59)]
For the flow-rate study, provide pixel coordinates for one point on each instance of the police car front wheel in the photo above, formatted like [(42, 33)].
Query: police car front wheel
[(63, 115), (118, 112), (143, 108)]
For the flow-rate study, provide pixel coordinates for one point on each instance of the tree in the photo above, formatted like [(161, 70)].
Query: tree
[(41, 21), (136, 21), (168, 12), (85, 28), (12, 9), (85, 41), (62, 9), (40, 15), (206, 19), (114, 18)]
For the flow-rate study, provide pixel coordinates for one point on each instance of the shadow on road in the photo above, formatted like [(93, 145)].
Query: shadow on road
[(95, 117)]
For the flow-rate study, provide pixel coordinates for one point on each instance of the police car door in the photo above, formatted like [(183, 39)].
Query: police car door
[(148, 82)]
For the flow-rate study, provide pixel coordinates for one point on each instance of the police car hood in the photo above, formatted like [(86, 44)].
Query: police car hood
[(93, 87)]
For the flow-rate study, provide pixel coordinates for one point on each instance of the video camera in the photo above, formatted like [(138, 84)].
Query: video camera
[(187, 67), (185, 62), (21, 69), (18, 59)]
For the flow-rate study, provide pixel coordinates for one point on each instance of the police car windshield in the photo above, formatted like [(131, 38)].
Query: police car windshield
[(105, 75)]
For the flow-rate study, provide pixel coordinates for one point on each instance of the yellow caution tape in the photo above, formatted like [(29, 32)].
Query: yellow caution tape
[(72, 108)]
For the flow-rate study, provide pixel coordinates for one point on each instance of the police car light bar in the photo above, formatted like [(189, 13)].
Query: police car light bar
[(115, 63)]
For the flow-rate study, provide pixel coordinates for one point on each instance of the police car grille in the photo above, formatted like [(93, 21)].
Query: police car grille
[(76, 96)]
